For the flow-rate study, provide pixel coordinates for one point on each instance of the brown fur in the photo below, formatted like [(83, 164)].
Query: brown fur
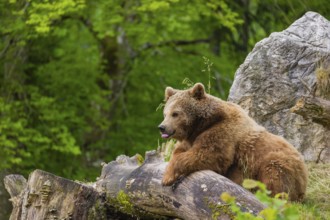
[(217, 135)]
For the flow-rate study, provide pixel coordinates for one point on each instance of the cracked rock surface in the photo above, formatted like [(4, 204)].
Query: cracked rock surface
[(272, 79)]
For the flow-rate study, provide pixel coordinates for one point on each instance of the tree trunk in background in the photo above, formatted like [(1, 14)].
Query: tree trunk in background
[(314, 109), (246, 25), (5, 206), (125, 190)]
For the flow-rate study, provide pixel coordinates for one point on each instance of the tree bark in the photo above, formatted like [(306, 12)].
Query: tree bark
[(313, 108), (125, 190)]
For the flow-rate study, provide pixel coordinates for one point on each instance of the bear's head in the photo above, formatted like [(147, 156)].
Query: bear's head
[(184, 111)]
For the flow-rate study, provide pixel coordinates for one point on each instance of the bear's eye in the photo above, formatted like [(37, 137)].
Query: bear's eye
[(175, 114)]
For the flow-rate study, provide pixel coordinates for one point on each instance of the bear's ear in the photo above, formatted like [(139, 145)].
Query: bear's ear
[(198, 91), (169, 91)]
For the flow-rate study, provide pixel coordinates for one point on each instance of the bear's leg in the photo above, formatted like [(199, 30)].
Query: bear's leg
[(235, 174), (283, 175), (171, 174), (186, 160)]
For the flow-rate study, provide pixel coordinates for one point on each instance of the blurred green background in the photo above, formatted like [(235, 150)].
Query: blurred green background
[(80, 80)]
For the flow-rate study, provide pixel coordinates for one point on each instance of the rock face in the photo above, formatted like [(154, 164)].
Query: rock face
[(277, 72)]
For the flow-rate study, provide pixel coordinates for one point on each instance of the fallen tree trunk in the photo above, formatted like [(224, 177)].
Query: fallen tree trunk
[(46, 196), (125, 190), (314, 109)]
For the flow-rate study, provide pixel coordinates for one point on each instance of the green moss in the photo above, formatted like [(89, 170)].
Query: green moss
[(220, 209), (139, 159), (124, 202)]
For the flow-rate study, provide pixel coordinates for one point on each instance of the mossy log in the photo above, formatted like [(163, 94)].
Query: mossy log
[(313, 108), (126, 189)]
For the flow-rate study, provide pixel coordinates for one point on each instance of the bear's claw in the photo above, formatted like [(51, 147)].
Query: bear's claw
[(177, 182)]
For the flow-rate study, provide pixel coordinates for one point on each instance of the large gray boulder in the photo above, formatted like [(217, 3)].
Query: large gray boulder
[(279, 71)]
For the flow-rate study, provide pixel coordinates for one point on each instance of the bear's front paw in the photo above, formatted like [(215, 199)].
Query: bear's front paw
[(168, 179)]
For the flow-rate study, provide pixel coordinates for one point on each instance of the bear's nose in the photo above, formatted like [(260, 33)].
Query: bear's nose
[(162, 128)]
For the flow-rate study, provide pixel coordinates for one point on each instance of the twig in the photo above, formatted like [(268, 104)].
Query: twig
[(305, 85)]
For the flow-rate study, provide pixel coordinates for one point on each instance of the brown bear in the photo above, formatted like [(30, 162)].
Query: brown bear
[(217, 135)]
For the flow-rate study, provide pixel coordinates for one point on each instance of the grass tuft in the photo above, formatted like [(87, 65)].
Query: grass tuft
[(317, 202)]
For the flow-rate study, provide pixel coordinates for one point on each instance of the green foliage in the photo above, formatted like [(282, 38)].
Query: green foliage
[(32, 129), (315, 205), (55, 104), (41, 14), (166, 149), (276, 208)]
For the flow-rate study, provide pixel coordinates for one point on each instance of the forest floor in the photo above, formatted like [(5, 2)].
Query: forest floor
[(317, 201)]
